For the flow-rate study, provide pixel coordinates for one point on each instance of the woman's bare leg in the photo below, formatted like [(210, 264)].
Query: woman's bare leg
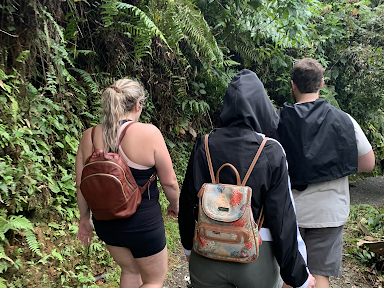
[(145, 272), (130, 272), (153, 269)]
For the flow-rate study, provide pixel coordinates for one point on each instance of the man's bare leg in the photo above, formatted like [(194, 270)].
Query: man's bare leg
[(321, 281)]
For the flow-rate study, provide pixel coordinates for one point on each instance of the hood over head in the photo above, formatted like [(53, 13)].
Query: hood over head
[(247, 103)]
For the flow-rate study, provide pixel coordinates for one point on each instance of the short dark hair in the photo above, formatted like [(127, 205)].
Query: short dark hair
[(307, 74)]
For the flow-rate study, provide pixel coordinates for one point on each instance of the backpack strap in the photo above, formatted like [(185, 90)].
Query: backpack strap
[(149, 182), (92, 136), (122, 134), (209, 159), (260, 221), (254, 161)]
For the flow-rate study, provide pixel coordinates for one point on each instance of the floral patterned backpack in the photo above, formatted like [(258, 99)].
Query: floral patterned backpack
[(226, 229)]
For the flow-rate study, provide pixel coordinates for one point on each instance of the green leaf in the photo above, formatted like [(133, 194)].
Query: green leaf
[(335, 73), (66, 178), (57, 255), (22, 56)]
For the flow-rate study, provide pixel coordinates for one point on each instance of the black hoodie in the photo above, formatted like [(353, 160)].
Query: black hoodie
[(247, 110)]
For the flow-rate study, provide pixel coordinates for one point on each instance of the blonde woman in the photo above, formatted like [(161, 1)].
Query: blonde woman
[(136, 243)]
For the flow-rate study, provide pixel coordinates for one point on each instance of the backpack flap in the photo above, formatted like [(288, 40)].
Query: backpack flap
[(224, 202)]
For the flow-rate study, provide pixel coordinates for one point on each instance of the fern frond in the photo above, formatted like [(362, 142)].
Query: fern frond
[(131, 21), (243, 44), (229, 63), (4, 256), (198, 33), (19, 223), (79, 90), (88, 79), (163, 13), (3, 268), (32, 242), (59, 29), (4, 227), (144, 19), (110, 11)]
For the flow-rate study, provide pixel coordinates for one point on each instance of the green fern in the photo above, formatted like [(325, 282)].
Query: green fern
[(2, 281), (59, 29), (145, 21), (133, 22), (163, 13), (32, 242), (17, 224), (243, 44), (88, 79), (198, 33), (3, 268), (4, 256)]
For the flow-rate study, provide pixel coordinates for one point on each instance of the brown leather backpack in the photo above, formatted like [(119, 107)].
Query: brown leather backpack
[(108, 186)]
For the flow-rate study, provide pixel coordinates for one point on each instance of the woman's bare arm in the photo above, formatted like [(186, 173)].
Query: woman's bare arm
[(167, 176), (85, 232)]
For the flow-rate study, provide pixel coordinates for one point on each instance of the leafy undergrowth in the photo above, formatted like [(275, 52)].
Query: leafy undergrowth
[(365, 226), (64, 262)]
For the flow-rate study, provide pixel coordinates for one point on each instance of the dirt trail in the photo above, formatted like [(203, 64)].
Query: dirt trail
[(368, 191)]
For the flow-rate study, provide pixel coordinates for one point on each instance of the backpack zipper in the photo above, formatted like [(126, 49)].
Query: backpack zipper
[(108, 175), (129, 184)]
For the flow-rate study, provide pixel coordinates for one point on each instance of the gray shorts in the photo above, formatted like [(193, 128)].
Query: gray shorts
[(209, 273), (324, 249)]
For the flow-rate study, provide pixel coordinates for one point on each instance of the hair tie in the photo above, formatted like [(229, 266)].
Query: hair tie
[(117, 89)]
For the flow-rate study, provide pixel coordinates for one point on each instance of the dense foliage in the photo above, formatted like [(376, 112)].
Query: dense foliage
[(56, 56)]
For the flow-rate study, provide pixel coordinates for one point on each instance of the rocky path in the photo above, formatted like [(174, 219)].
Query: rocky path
[(368, 191)]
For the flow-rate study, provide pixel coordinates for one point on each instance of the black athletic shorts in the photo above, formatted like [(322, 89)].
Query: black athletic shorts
[(141, 244)]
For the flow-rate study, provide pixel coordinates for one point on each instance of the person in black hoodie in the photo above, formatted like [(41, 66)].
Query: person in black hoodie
[(247, 116)]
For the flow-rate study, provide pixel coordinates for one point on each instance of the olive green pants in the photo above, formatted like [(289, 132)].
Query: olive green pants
[(262, 273)]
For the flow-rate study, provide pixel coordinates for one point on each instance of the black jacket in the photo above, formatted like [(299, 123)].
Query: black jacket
[(248, 110), (319, 140)]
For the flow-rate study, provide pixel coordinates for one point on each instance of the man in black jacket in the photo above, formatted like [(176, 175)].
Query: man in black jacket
[(324, 145)]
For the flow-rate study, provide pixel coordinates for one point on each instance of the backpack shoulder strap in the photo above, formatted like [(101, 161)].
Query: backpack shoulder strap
[(122, 134), (209, 159), (260, 221), (92, 136), (254, 161)]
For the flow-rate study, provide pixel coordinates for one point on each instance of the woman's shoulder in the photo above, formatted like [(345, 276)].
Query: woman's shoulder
[(146, 128), (87, 135), (146, 132)]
